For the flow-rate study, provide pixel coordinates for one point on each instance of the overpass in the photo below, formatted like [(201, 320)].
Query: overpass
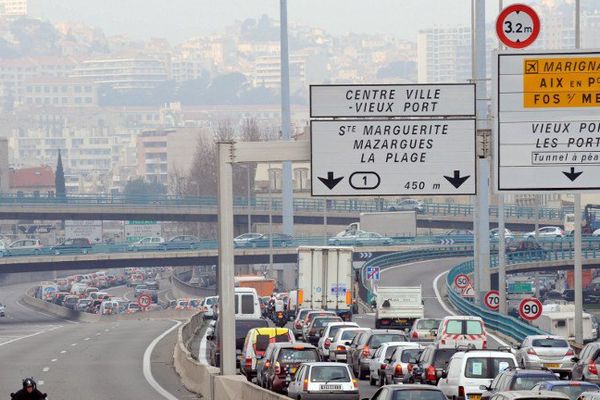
[(204, 209)]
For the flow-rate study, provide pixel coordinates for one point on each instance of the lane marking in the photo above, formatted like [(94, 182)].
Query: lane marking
[(63, 352), (73, 344), (449, 311), (45, 369), (146, 366), (98, 334), (31, 335), (54, 360), (86, 339), (106, 330), (40, 383)]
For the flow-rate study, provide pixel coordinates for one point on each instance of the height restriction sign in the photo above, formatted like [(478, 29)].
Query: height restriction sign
[(518, 26)]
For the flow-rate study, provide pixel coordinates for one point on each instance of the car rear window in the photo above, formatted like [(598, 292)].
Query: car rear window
[(417, 394), (529, 381), (243, 326), (298, 355), (378, 339), (329, 374), (321, 322), (389, 351), (441, 357), (334, 329), (486, 368), (247, 304), (573, 391), (454, 327), (348, 335), (474, 328), (549, 343), (428, 324), (409, 354)]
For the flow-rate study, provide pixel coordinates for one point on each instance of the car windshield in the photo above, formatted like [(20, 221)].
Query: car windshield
[(329, 374), (298, 355), (573, 391), (410, 354), (528, 382), (486, 368), (417, 394), (378, 339), (428, 324), (211, 301), (549, 342)]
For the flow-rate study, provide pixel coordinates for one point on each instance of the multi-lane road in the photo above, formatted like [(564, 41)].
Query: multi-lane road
[(105, 360)]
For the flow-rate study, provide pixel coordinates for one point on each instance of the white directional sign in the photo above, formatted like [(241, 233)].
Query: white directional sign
[(436, 100), (548, 121), (393, 157)]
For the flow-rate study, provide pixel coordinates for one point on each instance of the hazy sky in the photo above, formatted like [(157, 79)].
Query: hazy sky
[(177, 20)]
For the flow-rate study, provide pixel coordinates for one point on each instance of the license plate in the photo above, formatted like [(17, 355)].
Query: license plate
[(294, 369), (552, 365), (331, 387), (401, 321), (474, 397)]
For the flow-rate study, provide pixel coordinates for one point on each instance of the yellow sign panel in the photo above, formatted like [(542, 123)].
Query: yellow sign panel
[(561, 82)]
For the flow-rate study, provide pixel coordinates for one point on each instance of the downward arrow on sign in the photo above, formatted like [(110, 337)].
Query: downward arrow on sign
[(572, 175), (457, 180), (330, 181)]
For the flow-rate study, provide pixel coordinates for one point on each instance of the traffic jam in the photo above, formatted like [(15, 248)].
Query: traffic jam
[(288, 343)]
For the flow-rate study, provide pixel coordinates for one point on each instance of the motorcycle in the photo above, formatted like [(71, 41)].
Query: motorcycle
[(280, 320)]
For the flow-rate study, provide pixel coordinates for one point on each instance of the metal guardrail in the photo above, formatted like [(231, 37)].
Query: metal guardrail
[(263, 204)]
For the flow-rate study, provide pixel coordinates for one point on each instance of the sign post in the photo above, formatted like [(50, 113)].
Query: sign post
[(530, 309)]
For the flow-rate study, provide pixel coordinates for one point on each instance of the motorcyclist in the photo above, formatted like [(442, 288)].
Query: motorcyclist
[(29, 391)]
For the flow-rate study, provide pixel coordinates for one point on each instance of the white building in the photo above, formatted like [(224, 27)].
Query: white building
[(123, 73), (13, 8), (444, 54)]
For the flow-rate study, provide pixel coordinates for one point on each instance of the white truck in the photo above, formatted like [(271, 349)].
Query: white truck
[(325, 279), (395, 224), (398, 307), (559, 319)]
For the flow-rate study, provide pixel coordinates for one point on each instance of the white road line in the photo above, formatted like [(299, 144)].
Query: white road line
[(106, 330), (40, 383), (202, 351), (45, 369), (54, 360), (73, 344), (98, 334), (31, 335), (146, 366), (450, 312), (63, 352), (86, 339)]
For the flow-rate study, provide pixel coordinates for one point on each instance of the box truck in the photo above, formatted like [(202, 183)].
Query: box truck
[(398, 307)]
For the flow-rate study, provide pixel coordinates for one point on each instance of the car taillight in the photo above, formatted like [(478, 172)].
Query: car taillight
[(305, 386), (443, 341), (383, 366), (398, 370), (415, 335), (461, 391), (484, 344), (277, 368), (570, 352), (531, 351), (340, 348), (267, 364), (430, 374), (385, 322), (248, 362), (327, 343), (355, 382), (365, 351), (592, 369), (279, 315)]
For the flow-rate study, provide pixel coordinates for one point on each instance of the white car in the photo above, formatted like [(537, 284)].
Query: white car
[(551, 352), (330, 330), (461, 331), (148, 243), (2, 310), (207, 306), (378, 364), (470, 371), (25, 247), (340, 342), (323, 380), (244, 239), (547, 232)]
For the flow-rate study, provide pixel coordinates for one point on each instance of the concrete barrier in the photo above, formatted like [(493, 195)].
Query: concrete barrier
[(184, 289), (205, 379)]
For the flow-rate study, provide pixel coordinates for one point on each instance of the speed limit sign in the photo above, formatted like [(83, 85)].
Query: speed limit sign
[(461, 281), (144, 300), (492, 300), (530, 309)]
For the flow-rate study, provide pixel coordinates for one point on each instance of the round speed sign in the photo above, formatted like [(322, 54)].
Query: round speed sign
[(530, 309), (144, 300), (492, 300), (461, 281)]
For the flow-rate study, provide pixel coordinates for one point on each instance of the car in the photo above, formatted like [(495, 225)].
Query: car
[(585, 365), (261, 363), (283, 363), (589, 396), (242, 240), (3, 248), (256, 342), (551, 352), (2, 310), (59, 297), (70, 301), (25, 247), (206, 307), (276, 239), (359, 238), (152, 285), (132, 307), (461, 331), (242, 326), (408, 392), (400, 363), (526, 250), (423, 329), (508, 235), (298, 323), (529, 395), (74, 245), (310, 316), (516, 379), (470, 372), (83, 304), (430, 366), (571, 388), (317, 327), (379, 362), (323, 380), (408, 205), (368, 342), (341, 341), (135, 279), (547, 232), (150, 243), (182, 242), (139, 290), (328, 334)]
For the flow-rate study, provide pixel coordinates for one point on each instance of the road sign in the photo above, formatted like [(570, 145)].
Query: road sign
[(365, 255), (144, 300), (461, 281), (548, 121), (518, 26), (373, 273), (393, 157), (429, 100), (530, 309), (468, 291), (520, 287), (492, 300)]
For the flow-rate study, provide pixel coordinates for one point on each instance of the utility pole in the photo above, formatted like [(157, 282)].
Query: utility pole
[(287, 194), (578, 268)]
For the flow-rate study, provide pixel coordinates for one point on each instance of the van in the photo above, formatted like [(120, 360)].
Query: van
[(461, 331), (246, 303), (257, 341), (78, 289)]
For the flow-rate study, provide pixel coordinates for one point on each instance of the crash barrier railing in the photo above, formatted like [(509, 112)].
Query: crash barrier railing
[(185, 289), (509, 326), (264, 204)]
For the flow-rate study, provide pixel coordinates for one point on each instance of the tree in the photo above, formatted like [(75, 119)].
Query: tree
[(59, 179), (140, 188)]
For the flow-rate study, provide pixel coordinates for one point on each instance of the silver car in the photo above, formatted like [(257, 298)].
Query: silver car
[(323, 380), (401, 364), (551, 352)]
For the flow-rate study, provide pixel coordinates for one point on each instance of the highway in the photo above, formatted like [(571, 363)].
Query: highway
[(70, 360)]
